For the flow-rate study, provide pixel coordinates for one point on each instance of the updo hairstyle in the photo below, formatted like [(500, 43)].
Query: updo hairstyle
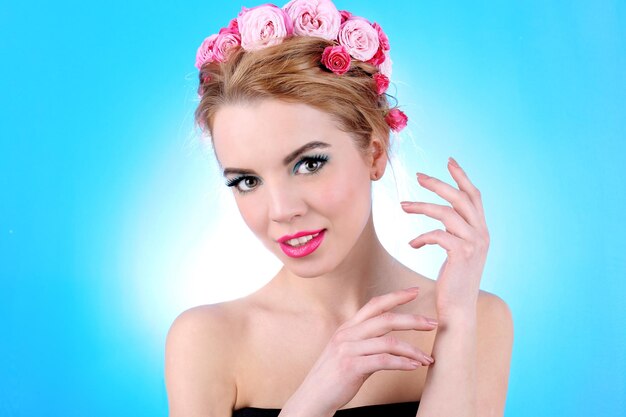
[(292, 71)]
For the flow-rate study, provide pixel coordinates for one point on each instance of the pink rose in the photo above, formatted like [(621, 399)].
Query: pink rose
[(205, 51), (359, 38), (382, 83), (378, 58), (227, 40), (345, 15), (385, 67), (382, 38), (396, 119), (314, 18), (233, 24), (262, 26), (336, 59)]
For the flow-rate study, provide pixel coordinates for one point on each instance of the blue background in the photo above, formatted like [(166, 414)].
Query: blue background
[(106, 194)]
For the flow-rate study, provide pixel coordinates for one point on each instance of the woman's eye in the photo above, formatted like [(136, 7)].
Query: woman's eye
[(243, 184), (310, 165), (247, 184)]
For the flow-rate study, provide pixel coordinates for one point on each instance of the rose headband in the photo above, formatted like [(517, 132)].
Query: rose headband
[(354, 37)]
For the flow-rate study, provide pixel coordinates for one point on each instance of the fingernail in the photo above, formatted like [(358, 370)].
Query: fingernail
[(432, 321), (453, 162), (414, 241), (413, 289), (405, 203), (429, 359), (422, 176), (416, 364)]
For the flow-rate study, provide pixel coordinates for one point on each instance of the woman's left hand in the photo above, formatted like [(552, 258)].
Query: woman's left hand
[(465, 239)]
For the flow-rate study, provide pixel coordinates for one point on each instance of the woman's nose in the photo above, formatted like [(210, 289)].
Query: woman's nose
[(285, 204)]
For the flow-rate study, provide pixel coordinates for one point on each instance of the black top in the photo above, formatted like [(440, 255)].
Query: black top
[(378, 410)]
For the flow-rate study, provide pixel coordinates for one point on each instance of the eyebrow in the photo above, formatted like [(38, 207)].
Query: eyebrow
[(311, 145), (286, 161)]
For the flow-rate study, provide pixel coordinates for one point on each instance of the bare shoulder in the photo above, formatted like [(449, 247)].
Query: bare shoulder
[(494, 351), (200, 350), (494, 327), (494, 315)]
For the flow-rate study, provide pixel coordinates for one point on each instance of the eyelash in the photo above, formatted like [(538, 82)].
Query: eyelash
[(315, 158), (235, 182), (323, 159)]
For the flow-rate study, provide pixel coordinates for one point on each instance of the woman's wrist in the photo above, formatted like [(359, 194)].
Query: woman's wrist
[(458, 316)]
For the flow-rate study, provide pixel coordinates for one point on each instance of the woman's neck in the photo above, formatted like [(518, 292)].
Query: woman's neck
[(367, 271)]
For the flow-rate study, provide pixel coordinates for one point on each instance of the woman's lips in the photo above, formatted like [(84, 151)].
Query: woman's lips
[(302, 250), (299, 234)]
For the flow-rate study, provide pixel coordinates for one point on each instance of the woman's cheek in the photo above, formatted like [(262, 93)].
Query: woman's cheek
[(345, 195), (251, 214)]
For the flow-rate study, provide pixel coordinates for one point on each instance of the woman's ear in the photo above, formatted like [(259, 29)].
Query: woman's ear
[(377, 158)]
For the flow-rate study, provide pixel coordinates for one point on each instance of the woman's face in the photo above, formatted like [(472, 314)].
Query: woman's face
[(294, 172)]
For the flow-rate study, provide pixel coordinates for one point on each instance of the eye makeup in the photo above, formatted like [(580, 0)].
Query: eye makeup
[(317, 160), (234, 182)]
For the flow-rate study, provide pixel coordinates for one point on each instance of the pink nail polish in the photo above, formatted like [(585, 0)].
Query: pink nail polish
[(453, 162), (422, 176)]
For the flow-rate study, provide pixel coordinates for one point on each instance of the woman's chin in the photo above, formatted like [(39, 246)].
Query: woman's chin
[(305, 267)]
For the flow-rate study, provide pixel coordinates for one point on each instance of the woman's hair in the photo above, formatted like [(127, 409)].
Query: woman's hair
[(292, 71)]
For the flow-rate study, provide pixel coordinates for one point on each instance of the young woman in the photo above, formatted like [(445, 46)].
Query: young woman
[(294, 101)]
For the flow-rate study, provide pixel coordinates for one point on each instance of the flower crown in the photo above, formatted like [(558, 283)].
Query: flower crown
[(353, 37)]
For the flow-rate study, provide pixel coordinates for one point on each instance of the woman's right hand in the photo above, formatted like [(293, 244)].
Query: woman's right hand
[(360, 347)]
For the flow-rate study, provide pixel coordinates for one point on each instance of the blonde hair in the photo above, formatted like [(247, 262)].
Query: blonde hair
[(292, 71)]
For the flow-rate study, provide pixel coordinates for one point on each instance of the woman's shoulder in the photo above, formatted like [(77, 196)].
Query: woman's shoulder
[(216, 327), (494, 322), (200, 351), (209, 316), (493, 310)]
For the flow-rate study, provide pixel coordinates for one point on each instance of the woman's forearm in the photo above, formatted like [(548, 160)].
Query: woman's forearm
[(450, 388)]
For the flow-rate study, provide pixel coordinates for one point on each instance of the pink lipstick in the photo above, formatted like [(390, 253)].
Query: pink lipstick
[(302, 243)]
